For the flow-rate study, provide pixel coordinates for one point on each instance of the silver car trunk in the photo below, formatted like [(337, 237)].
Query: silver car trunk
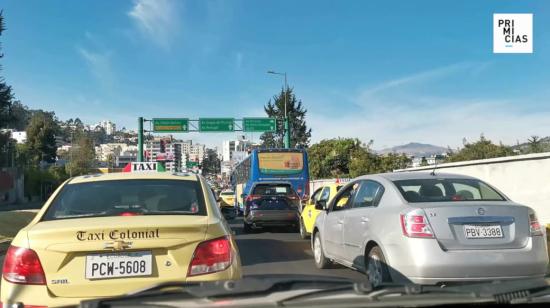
[(450, 220)]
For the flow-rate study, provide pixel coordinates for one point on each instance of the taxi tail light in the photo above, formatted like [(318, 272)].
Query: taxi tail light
[(22, 266), (211, 256), (534, 225), (415, 224)]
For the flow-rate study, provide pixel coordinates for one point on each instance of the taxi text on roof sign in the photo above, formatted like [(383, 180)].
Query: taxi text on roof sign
[(144, 167)]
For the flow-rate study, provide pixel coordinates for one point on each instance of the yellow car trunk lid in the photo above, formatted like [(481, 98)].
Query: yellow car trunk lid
[(65, 246)]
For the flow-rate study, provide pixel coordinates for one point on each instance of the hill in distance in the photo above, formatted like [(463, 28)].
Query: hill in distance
[(415, 149)]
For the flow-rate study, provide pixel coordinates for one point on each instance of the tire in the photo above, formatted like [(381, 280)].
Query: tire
[(321, 262), (377, 269), (303, 232), (247, 228)]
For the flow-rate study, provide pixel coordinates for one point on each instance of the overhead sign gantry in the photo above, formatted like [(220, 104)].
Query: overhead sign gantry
[(205, 125)]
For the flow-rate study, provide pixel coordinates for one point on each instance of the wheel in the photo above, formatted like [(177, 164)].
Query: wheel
[(247, 228), (377, 269), (303, 233), (320, 260)]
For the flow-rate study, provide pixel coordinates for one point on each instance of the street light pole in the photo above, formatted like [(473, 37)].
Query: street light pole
[(286, 137)]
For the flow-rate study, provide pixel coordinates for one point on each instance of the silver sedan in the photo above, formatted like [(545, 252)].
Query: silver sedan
[(428, 229)]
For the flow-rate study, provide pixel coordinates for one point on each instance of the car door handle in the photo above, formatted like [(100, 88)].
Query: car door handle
[(340, 221), (364, 219)]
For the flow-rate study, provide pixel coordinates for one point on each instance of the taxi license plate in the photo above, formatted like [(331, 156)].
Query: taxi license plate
[(483, 231), (123, 264)]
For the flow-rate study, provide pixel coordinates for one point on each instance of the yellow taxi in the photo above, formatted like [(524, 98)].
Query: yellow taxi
[(109, 234), (309, 213), (227, 198)]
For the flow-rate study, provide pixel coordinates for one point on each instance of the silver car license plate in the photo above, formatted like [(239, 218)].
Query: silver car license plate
[(114, 265), (483, 231)]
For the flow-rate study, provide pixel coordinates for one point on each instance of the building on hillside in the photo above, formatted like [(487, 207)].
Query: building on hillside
[(108, 126), (106, 150)]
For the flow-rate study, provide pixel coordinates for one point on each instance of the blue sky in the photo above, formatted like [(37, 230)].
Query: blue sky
[(392, 71)]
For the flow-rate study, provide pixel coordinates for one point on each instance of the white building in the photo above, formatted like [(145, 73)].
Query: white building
[(192, 152), (233, 151), (108, 126), (103, 151), (20, 137), (231, 146)]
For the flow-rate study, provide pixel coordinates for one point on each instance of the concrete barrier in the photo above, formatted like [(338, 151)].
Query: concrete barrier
[(523, 178)]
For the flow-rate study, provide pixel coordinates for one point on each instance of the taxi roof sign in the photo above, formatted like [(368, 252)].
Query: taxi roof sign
[(150, 166)]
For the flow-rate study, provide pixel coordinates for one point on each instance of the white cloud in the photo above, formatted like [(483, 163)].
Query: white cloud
[(157, 20), (99, 64), (442, 124), (392, 113), (417, 78)]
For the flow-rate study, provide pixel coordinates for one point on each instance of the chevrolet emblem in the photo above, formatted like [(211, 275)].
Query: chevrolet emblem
[(118, 245)]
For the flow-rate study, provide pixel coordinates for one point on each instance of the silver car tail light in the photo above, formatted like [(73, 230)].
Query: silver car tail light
[(534, 225), (415, 224)]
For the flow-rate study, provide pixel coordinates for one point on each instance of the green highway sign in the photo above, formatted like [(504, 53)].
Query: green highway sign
[(191, 164), (216, 124), (171, 125), (259, 124)]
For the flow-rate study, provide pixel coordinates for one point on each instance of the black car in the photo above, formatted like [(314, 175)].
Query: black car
[(271, 204)]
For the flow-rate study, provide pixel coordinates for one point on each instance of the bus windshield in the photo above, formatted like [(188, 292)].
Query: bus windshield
[(281, 163)]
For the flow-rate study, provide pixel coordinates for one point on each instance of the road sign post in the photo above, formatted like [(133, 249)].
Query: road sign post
[(180, 125), (216, 125), (253, 125), (140, 140)]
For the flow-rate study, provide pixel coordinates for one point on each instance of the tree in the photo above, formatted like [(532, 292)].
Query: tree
[(481, 149), (41, 137), (300, 134), (348, 157), (211, 164), (534, 145), (81, 156), (20, 116), (6, 100), (332, 157)]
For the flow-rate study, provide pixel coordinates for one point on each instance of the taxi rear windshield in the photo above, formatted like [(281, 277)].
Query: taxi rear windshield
[(437, 190), (127, 198)]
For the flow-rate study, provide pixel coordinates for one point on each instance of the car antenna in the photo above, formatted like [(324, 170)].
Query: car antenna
[(435, 166)]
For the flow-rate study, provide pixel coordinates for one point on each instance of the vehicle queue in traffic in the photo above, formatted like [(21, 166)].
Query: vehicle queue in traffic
[(153, 227)]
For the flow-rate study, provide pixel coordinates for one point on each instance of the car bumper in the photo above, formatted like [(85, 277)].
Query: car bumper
[(39, 295), (272, 218), (423, 261)]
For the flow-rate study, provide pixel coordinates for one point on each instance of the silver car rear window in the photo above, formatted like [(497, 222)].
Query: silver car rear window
[(438, 190)]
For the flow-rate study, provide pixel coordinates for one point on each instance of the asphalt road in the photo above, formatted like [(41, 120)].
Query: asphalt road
[(275, 251)]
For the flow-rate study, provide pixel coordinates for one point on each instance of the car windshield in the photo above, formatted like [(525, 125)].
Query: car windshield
[(437, 190), (227, 193), (140, 197)]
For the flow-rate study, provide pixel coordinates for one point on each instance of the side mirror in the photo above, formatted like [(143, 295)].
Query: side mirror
[(320, 204)]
